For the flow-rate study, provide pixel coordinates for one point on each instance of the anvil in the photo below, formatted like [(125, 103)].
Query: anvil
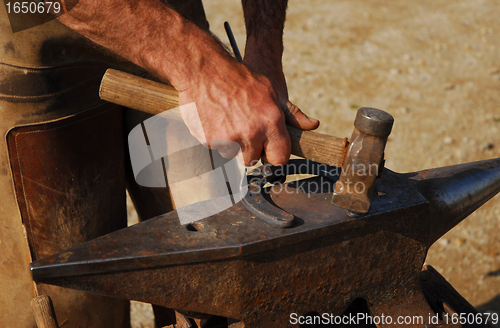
[(235, 265)]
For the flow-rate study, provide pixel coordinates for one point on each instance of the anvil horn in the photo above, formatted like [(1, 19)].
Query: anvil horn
[(454, 192)]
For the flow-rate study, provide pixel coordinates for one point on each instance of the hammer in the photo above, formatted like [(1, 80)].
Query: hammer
[(362, 160)]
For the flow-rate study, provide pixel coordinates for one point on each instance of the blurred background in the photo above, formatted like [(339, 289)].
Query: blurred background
[(435, 66)]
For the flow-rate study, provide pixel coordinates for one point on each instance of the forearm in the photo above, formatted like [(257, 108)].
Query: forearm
[(151, 35), (265, 20), (233, 103)]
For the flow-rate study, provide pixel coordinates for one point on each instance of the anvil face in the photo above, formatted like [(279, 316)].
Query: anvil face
[(235, 265)]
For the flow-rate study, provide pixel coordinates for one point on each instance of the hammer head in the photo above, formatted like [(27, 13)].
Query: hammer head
[(364, 160)]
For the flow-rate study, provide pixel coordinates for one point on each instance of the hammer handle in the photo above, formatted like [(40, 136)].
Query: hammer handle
[(153, 98), (44, 312)]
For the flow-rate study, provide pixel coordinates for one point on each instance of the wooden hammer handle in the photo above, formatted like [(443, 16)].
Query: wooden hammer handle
[(153, 98), (44, 312)]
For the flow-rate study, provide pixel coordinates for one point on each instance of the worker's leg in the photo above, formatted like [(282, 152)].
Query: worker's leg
[(62, 184)]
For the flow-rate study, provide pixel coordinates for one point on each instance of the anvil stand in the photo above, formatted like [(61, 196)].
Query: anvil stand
[(236, 265)]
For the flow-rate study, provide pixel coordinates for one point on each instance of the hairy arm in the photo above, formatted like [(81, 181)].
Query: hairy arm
[(265, 21), (233, 103), (149, 34)]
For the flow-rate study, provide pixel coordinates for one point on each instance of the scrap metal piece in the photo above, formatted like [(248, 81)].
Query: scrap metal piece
[(258, 201), (257, 204)]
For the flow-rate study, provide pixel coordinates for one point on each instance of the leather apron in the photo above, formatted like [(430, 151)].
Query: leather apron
[(62, 167)]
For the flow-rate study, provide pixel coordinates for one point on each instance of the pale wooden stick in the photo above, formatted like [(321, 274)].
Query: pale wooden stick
[(44, 312), (153, 98)]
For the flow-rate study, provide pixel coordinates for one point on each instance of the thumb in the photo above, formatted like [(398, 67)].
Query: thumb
[(296, 118)]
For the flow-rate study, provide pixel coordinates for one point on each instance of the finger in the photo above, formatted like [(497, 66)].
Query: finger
[(227, 153), (251, 153), (227, 149), (278, 147), (296, 118)]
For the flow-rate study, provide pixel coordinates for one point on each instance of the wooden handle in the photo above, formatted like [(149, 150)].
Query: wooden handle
[(153, 98), (44, 312)]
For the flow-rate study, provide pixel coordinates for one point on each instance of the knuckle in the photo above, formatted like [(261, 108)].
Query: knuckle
[(276, 121)]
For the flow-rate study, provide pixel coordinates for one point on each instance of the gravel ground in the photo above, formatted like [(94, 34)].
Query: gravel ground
[(435, 66)]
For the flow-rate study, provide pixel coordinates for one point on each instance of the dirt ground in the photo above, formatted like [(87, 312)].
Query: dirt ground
[(435, 66)]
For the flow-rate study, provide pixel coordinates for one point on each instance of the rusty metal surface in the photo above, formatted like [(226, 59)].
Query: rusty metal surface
[(240, 267), (258, 200), (233, 233), (446, 301), (454, 192), (365, 157)]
